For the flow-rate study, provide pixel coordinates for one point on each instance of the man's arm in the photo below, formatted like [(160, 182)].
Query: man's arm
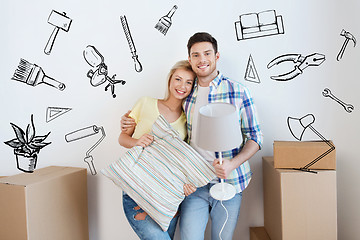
[(250, 127), (223, 170), (127, 130), (127, 122)]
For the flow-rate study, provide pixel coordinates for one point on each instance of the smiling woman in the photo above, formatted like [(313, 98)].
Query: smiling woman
[(145, 112)]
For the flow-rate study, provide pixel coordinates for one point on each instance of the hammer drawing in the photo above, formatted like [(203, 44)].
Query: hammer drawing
[(348, 36), (60, 21)]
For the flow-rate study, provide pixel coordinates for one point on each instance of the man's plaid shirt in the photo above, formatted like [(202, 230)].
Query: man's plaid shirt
[(222, 89)]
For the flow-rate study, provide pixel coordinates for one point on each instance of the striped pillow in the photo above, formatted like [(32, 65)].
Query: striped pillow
[(154, 176)]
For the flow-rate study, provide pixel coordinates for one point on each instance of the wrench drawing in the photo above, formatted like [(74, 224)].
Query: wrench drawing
[(348, 107)]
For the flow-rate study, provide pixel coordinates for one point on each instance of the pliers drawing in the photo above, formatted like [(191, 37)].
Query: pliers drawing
[(300, 62)]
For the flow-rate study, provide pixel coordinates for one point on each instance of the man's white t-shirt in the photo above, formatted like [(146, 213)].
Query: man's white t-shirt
[(201, 100)]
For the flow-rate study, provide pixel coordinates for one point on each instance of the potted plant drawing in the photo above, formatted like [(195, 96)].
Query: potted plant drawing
[(27, 146)]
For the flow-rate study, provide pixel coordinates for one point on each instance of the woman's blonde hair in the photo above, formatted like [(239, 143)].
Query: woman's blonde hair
[(182, 64)]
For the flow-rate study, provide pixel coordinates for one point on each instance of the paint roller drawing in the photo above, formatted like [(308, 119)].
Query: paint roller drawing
[(33, 75), (138, 66), (83, 133)]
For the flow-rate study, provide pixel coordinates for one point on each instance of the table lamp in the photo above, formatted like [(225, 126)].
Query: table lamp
[(297, 127), (219, 130)]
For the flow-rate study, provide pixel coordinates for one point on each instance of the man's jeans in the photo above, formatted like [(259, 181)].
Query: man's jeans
[(195, 211), (146, 229)]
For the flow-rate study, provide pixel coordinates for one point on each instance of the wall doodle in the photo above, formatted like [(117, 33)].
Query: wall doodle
[(124, 23), (54, 112), (165, 22), (348, 36), (251, 74), (348, 107), (297, 127), (83, 133), (99, 74), (27, 146), (32, 75), (301, 62), (59, 21), (254, 25)]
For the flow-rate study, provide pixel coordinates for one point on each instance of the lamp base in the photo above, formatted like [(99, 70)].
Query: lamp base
[(222, 191)]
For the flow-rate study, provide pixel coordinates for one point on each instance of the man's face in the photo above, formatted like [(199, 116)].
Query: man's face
[(203, 60)]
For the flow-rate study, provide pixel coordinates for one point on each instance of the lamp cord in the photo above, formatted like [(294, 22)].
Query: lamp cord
[(227, 217)]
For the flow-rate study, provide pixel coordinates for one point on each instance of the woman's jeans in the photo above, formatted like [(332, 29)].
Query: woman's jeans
[(195, 211), (146, 229)]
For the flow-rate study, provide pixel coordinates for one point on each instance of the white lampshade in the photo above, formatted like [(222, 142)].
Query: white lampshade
[(218, 127)]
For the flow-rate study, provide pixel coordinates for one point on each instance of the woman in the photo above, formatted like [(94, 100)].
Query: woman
[(145, 112)]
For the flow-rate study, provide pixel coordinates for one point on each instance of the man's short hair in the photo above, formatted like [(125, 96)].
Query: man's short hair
[(202, 37)]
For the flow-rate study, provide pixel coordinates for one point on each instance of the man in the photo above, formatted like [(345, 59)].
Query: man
[(212, 86)]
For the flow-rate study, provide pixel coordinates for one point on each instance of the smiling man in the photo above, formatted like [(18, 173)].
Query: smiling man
[(212, 86)]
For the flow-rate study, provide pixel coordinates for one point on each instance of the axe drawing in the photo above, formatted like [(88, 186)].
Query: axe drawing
[(60, 21)]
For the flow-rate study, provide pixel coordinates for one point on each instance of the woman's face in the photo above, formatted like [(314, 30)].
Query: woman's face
[(181, 83)]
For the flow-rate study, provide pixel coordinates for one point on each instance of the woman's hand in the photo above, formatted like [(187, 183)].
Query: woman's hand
[(127, 122), (145, 140), (189, 189)]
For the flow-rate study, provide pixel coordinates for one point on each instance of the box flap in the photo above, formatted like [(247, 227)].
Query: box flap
[(39, 175)]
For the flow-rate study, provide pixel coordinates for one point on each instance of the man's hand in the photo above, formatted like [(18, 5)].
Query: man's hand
[(189, 189), (126, 121), (223, 170), (145, 140)]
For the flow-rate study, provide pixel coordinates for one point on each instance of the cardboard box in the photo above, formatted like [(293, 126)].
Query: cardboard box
[(50, 203), (299, 205), (258, 233), (295, 154)]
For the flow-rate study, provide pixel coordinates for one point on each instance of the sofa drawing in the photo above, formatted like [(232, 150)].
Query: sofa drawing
[(254, 25)]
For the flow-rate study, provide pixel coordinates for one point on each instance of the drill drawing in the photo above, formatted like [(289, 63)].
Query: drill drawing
[(99, 73)]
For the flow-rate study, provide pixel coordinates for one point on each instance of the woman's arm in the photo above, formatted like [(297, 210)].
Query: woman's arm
[(126, 139)]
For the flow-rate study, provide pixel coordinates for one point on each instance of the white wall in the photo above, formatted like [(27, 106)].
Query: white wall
[(310, 26)]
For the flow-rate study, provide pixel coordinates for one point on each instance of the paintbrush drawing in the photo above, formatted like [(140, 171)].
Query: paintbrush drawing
[(32, 75), (165, 22), (99, 73), (124, 23), (59, 21)]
